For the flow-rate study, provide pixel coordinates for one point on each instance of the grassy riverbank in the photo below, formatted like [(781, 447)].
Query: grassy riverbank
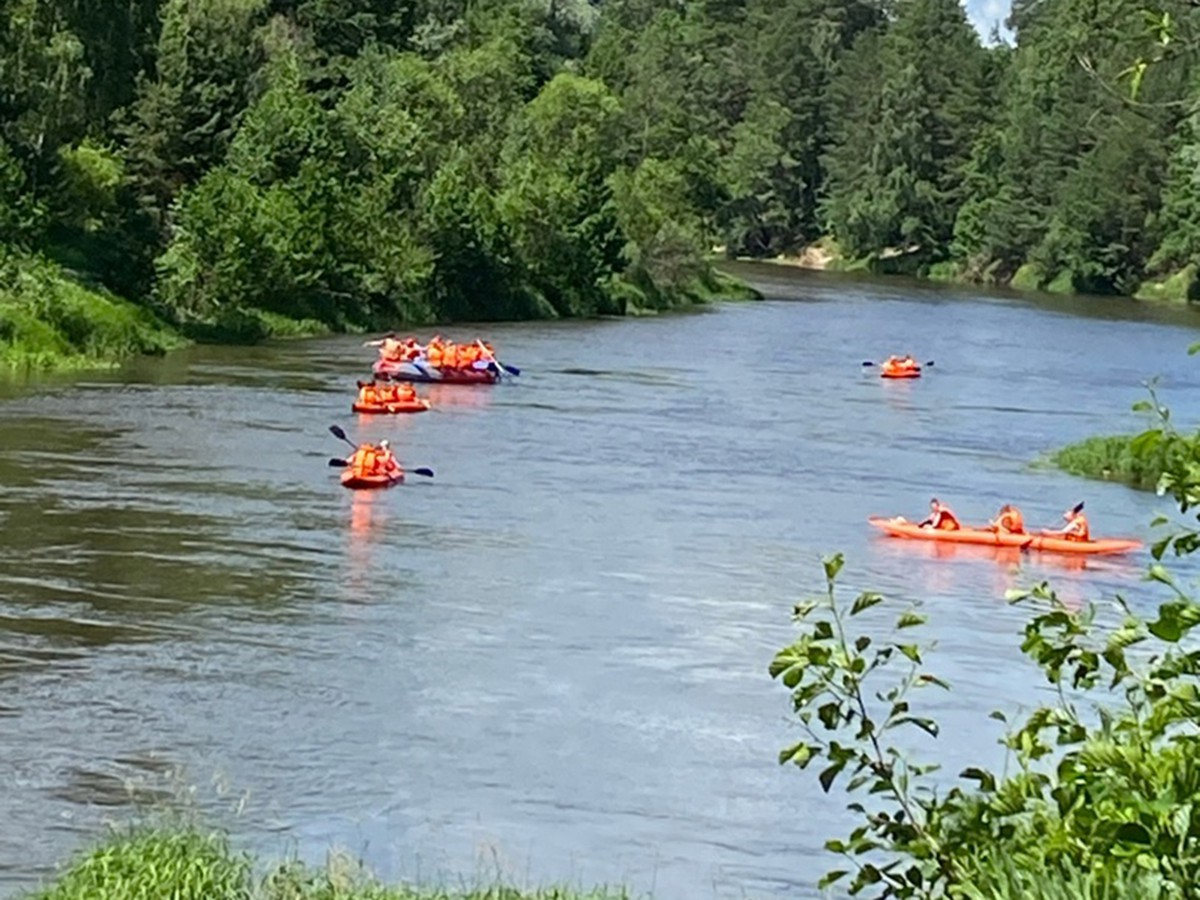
[(189, 864), (1115, 458), (49, 321), (1181, 287)]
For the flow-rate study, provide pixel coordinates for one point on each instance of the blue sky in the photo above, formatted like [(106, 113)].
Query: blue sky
[(986, 13)]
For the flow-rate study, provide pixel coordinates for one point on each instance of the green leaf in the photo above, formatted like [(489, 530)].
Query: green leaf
[(830, 714), (800, 610), (926, 678), (830, 877), (929, 726), (833, 565), (800, 754), (1158, 572), (1175, 619), (828, 775), (987, 781), (910, 620), (1145, 442), (1194, 349), (911, 651), (865, 601)]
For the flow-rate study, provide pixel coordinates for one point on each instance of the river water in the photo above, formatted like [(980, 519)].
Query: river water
[(549, 662)]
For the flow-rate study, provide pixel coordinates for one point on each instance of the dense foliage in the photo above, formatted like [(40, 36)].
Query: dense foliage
[(1098, 797), (231, 163)]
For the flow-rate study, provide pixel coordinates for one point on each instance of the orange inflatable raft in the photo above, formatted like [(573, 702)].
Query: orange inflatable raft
[(354, 478), (896, 368), (399, 406), (902, 528)]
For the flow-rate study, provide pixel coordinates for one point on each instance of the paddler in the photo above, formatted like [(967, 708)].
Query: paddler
[(368, 393), (390, 349), (1076, 528), (1008, 521), (386, 461), (940, 517)]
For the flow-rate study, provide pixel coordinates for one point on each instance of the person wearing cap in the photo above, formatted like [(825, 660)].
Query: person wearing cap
[(940, 517), (1076, 528), (1008, 521)]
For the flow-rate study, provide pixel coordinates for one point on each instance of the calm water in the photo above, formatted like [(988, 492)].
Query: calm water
[(550, 661)]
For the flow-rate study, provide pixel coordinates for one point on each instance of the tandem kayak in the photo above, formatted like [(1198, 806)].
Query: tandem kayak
[(399, 406), (902, 528), (358, 480), (423, 372)]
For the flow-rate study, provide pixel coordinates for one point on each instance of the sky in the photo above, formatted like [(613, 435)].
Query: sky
[(986, 13)]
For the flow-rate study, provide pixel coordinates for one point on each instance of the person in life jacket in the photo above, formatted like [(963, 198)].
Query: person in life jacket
[(386, 463), (369, 393), (940, 517), (390, 349), (400, 392), (1076, 528), (365, 460), (1008, 521)]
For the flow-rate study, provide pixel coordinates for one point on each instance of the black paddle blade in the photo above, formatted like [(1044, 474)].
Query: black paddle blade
[(930, 363), (428, 473), (339, 463), (867, 362), (337, 432), (512, 370)]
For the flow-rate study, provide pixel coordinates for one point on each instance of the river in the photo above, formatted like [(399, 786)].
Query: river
[(550, 661)]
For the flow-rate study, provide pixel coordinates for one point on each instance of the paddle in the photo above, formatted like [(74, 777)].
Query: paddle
[(342, 463), (341, 435), (867, 362), (491, 357)]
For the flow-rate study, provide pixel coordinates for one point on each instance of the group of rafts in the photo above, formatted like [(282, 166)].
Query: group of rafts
[(403, 362), (1008, 528)]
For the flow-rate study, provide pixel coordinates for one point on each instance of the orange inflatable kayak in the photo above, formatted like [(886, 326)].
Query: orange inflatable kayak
[(899, 371), (902, 528), (352, 478), (400, 406)]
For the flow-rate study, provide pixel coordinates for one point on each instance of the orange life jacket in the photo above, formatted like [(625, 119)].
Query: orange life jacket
[(1077, 530), (944, 520), (1012, 522), (365, 460)]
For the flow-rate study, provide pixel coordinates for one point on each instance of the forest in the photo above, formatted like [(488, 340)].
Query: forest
[(232, 169)]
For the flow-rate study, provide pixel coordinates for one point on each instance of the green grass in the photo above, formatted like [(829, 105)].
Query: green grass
[(1027, 278), (48, 321), (191, 864), (1112, 459), (1178, 288)]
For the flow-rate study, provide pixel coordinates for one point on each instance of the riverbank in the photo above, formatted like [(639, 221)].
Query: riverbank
[(824, 255), (193, 864), (52, 319)]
